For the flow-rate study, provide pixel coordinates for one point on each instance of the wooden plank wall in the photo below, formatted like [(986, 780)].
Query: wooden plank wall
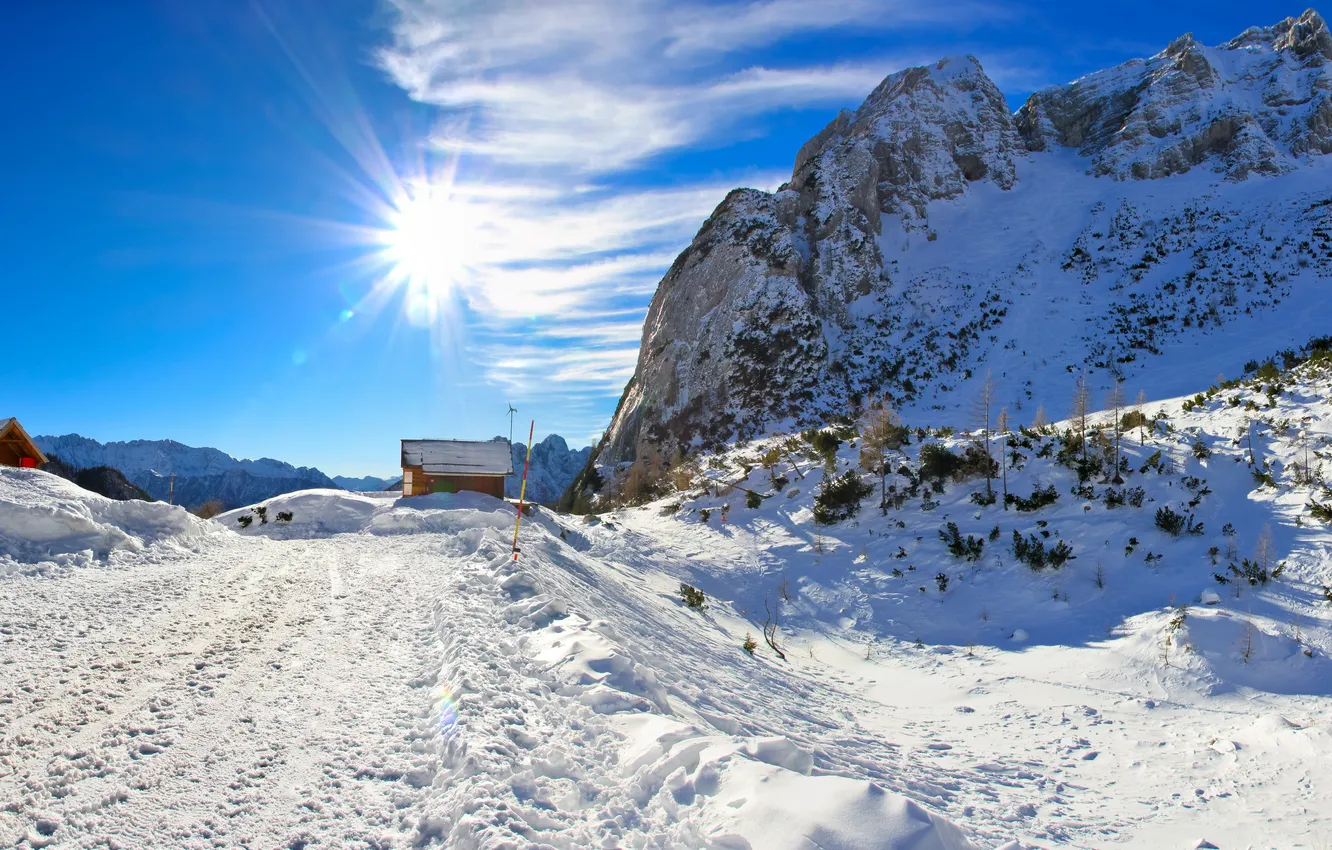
[(491, 485)]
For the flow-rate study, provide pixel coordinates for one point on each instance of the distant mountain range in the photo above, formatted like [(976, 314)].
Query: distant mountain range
[(365, 484), (206, 474), (201, 474)]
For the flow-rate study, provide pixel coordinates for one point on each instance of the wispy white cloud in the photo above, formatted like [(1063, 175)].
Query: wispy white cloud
[(730, 27), (564, 104)]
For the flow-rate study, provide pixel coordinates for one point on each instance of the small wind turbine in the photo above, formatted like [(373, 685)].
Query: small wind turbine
[(512, 411)]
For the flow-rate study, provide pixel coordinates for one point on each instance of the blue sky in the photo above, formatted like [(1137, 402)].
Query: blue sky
[(307, 229)]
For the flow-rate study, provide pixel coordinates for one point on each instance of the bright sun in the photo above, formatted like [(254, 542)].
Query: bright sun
[(426, 248)]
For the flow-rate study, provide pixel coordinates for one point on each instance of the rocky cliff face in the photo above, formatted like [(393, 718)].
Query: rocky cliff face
[(762, 316), (931, 235)]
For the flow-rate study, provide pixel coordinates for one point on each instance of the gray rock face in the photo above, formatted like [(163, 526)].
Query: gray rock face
[(752, 321), (1254, 105)]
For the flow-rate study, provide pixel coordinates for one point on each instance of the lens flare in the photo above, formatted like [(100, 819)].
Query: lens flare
[(446, 706), (426, 243)]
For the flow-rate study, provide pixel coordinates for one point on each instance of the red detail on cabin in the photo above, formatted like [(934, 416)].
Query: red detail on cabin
[(28, 462)]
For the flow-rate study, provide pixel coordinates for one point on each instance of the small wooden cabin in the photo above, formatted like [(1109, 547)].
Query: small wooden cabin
[(17, 448), (451, 466)]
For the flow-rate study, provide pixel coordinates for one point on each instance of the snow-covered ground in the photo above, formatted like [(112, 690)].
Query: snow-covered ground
[(381, 673)]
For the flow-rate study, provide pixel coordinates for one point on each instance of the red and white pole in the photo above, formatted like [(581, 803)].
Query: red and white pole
[(522, 492)]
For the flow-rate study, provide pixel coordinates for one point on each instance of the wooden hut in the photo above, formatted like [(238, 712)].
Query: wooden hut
[(17, 448), (451, 466)]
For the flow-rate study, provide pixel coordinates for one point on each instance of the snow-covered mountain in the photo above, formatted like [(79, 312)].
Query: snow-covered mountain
[(1155, 224), (202, 474), (553, 468), (365, 484)]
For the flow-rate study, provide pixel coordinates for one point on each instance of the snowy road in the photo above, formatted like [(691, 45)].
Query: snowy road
[(382, 674), (269, 692)]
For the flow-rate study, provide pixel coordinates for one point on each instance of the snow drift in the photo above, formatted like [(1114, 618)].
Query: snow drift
[(46, 520)]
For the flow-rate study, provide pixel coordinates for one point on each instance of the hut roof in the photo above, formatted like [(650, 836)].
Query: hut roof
[(459, 457), (10, 422)]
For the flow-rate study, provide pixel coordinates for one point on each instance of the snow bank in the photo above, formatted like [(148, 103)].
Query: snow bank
[(46, 520), (775, 809), (315, 513), (610, 717), (321, 513)]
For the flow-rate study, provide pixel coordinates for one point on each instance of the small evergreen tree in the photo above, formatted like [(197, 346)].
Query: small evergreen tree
[(970, 548), (881, 432), (1080, 410), (840, 498), (1169, 521), (1138, 402), (692, 597)]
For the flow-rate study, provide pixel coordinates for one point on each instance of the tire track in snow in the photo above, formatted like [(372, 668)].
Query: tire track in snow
[(262, 721)]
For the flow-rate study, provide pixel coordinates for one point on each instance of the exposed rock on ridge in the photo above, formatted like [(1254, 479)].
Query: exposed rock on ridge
[(1253, 105), (748, 323)]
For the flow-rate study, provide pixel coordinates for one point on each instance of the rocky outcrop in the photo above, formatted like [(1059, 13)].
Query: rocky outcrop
[(755, 321), (1255, 105)]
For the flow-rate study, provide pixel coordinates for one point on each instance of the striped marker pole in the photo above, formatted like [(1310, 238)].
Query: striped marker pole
[(522, 493)]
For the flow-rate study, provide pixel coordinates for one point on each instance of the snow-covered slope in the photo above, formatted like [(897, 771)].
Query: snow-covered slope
[(931, 237), (201, 474), (292, 690), (382, 670)]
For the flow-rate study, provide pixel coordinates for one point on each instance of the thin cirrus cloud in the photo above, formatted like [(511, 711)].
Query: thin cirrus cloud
[(567, 105), (727, 28)]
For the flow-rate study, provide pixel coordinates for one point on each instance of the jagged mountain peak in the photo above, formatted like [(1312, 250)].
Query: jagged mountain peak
[(1257, 104), (924, 133), (1306, 36)]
